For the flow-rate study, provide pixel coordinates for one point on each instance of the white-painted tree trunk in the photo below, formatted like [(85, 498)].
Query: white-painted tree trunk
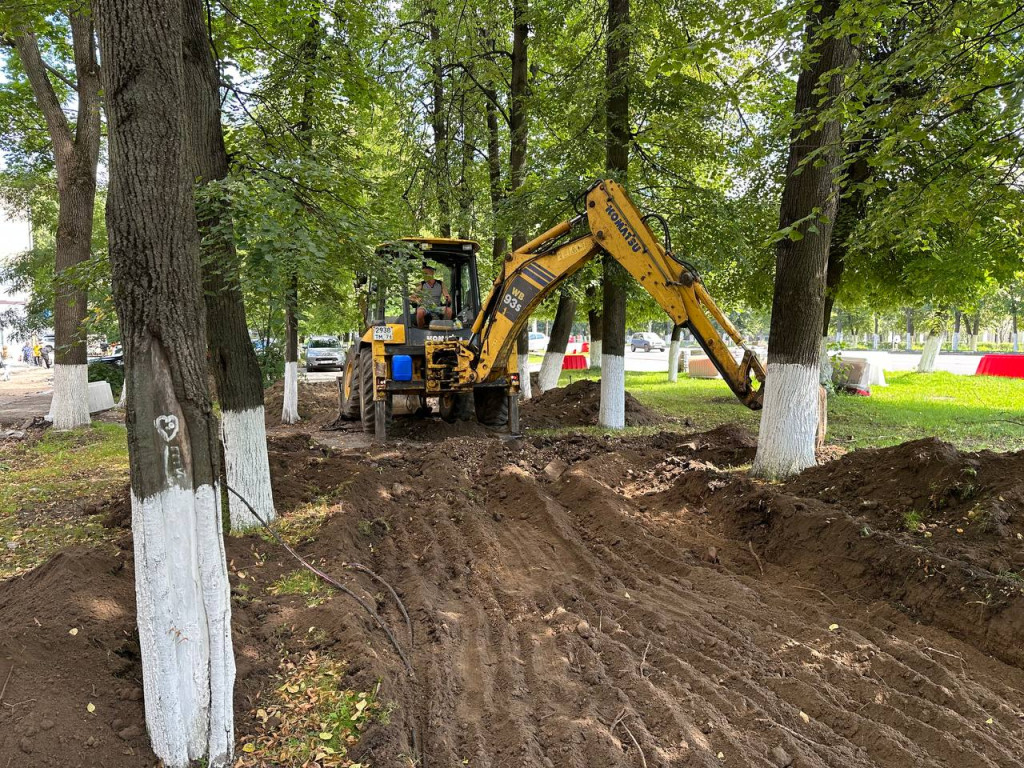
[(595, 354), (247, 467), (956, 341), (122, 401), (70, 404), (1016, 342), (875, 341), (974, 342), (612, 413), (550, 370), (824, 364), (525, 384), (673, 361), (184, 617), (789, 420), (930, 353), (290, 409)]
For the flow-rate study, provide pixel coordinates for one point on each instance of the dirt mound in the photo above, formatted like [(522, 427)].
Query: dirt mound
[(54, 675), (578, 405), (318, 403), (588, 601)]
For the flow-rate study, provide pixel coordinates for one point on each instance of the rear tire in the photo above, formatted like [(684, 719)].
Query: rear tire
[(456, 406), (491, 406), (367, 410), (350, 386)]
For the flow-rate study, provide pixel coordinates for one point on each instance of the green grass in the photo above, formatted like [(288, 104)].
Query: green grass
[(971, 412), (40, 478), (303, 583)]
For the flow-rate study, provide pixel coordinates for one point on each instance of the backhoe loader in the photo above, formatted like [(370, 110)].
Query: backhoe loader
[(466, 357)]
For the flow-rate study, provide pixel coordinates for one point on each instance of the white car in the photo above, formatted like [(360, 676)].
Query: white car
[(538, 342)]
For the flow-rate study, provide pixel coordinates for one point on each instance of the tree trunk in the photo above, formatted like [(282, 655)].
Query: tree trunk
[(790, 417), (232, 357), (1014, 338), (494, 176), (875, 338), (290, 408), (673, 354), (439, 126), (551, 368), (75, 155), (956, 330), (975, 331), (519, 130), (182, 590), (612, 413), (930, 353)]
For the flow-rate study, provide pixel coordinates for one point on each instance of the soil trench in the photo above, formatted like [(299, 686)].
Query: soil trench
[(588, 601)]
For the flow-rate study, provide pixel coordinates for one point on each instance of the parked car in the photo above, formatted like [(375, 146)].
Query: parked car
[(538, 342), (647, 342), (324, 352)]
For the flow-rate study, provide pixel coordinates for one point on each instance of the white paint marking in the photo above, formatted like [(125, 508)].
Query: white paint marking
[(612, 413), (247, 467), (70, 404), (290, 410), (550, 370), (789, 420)]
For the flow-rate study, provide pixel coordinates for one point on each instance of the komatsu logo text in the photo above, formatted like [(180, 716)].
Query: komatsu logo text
[(631, 239)]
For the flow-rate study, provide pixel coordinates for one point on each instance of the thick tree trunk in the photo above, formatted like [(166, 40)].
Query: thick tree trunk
[(290, 407), (551, 368), (232, 357), (439, 126), (673, 354), (75, 155), (182, 590), (790, 418), (612, 413), (494, 176), (519, 130)]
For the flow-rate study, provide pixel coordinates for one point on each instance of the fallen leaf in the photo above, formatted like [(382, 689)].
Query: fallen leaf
[(721, 756), (326, 735), (249, 748), (90, 707), (73, 631), (805, 717), (989, 721), (833, 627), (361, 705)]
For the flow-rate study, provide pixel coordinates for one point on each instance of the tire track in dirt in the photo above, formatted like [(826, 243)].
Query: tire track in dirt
[(550, 607)]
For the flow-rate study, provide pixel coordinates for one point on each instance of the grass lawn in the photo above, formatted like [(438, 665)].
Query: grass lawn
[(971, 412), (41, 477)]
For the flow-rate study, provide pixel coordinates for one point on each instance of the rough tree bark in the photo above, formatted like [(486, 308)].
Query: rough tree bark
[(75, 154), (612, 413), (551, 368), (930, 352), (673, 354), (519, 130), (790, 418), (182, 591), (232, 357)]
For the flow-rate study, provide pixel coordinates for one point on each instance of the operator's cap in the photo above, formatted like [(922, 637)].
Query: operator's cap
[(431, 267)]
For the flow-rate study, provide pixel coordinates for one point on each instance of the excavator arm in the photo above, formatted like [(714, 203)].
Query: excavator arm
[(531, 273)]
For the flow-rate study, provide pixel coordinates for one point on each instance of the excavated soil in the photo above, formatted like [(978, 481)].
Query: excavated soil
[(577, 405), (318, 403), (592, 601)]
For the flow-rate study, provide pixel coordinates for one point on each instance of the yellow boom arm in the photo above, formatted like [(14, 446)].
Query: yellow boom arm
[(531, 273)]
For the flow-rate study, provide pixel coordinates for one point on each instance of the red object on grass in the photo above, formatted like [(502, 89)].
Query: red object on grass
[(574, 362), (1011, 366)]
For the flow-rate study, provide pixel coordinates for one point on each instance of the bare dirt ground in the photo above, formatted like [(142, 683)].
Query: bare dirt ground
[(591, 601)]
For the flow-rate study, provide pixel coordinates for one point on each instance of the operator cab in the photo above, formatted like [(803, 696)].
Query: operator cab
[(399, 275)]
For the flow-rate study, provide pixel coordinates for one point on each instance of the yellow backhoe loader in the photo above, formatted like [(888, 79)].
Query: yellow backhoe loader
[(466, 356)]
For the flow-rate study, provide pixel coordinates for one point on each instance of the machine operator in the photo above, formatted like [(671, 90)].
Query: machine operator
[(431, 299)]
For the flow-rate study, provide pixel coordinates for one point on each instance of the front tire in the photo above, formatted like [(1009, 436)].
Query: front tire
[(456, 406), (491, 406), (632, 348)]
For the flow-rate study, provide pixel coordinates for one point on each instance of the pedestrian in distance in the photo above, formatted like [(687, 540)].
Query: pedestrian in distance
[(26, 352), (37, 354)]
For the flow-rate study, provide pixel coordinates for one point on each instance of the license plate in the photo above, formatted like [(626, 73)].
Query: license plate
[(383, 333)]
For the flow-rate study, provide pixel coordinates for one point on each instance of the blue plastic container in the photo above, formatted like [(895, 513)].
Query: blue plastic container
[(401, 368)]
